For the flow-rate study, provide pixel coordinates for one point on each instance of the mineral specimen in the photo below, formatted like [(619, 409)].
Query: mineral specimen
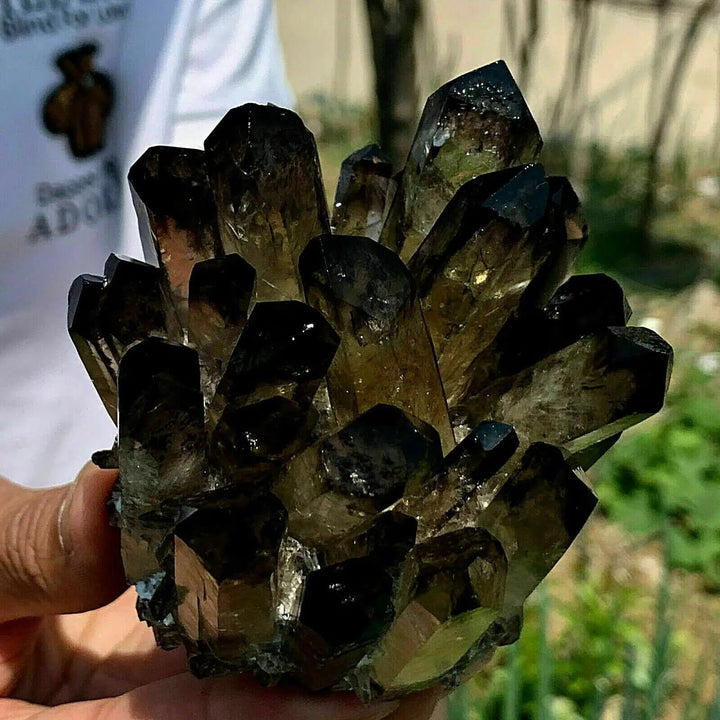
[(475, 124), (349, 462), (265, 175), (363, 190)]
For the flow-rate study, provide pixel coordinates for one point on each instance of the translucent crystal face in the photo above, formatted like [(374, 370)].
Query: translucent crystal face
[(348, 457)]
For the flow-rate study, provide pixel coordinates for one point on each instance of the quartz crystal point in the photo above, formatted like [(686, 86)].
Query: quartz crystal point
[(475, 124), (84, 327), (385, 355), (251, 441), (134, 306), (584, 393), (476, 262), (535, 540), (363, 189), (285, 349), (583, 305), (338, 484), (265, 175), (453, 589), (220, 292), (176, 215), (162, 445), (220, 574), (465, 471), (108, 315), (566, 224), (262, 411), (348, 604), (343, 462)]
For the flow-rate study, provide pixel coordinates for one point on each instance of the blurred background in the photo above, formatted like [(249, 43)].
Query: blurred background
[(627, 96)]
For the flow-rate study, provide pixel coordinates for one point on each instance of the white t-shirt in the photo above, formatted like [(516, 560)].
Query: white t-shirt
[(86, 87)]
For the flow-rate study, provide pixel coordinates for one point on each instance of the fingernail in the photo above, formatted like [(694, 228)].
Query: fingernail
[(63, 521)]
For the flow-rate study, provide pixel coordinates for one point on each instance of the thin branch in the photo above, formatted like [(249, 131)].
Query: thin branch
[(667, 110), (650, 4), (510, 26), (659, 58), (576, 63), (528, 45), (716, 141), (341, 70)]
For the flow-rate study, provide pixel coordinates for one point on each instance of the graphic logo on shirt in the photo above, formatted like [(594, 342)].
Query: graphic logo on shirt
[(80, 106), (82, 201)]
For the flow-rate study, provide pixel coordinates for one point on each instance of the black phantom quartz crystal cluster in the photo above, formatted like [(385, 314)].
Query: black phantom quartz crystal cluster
[(350, 446)]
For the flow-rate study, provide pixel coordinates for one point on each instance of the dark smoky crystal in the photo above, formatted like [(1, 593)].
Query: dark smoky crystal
[(96, 354), (472, 125), (347, 458), (266, 180), (367, 294), (176, 215), (364, 189)]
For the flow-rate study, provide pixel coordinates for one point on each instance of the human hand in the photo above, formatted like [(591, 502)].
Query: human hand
[(72, 647)]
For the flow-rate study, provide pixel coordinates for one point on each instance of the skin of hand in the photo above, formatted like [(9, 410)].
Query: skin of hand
[(71, 645)]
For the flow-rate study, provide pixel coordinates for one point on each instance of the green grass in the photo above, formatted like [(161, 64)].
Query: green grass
[(611, 185), (669, 472), (598, 654)]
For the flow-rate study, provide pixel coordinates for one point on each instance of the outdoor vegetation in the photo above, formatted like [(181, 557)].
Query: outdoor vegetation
[(627, 627)]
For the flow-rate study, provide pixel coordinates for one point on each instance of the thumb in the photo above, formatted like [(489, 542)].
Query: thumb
[(58, 553)]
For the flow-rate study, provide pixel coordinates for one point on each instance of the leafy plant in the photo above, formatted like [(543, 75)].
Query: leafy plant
[(671, 470), (611, 186), (596, 653), (564, 675)]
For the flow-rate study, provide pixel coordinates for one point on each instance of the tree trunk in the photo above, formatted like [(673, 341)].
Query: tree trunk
[(393, 28)]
